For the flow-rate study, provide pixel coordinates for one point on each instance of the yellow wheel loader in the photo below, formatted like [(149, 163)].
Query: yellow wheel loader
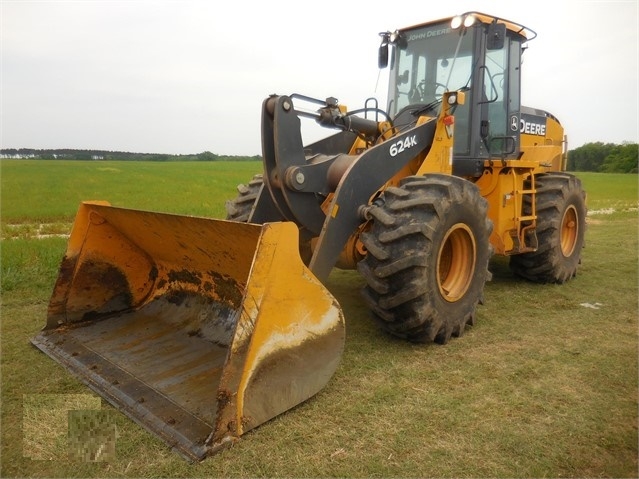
[(202, 329)]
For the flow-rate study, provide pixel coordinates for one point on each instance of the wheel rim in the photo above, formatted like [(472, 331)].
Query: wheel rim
[(569, 231), (456, 262)]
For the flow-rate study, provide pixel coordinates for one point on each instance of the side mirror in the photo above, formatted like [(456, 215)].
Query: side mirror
[(382, 57), (496, 36)]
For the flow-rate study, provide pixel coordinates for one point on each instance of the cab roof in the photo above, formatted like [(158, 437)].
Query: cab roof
[(515, 27)]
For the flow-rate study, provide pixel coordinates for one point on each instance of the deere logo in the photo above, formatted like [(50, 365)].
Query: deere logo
[(532, 125)]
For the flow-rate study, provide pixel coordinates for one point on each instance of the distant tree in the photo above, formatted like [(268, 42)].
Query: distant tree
[(158, 157), (622, 159), (589, 157), (207, 156)]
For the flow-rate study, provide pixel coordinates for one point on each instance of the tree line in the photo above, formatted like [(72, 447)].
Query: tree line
[(71, 154), (604, 157), (597, 156)]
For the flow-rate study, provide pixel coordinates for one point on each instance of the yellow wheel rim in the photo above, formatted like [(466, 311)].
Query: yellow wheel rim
[(456, 262), (569, 231)]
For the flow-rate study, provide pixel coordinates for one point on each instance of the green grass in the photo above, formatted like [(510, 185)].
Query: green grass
[(541, 386), (49, 191), (613, 190)]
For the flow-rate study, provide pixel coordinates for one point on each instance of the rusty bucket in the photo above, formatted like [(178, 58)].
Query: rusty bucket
[(197, 329)]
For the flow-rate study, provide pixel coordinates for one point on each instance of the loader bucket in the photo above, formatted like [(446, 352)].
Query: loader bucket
[(197, 329)]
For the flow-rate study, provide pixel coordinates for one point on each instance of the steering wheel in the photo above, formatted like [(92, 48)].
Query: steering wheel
[(417, 95)]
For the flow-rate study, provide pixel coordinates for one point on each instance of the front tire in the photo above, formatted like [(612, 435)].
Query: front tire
[(427, 257), (561, 227)]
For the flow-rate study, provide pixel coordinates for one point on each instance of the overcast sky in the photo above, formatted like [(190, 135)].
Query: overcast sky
[(186, 76)]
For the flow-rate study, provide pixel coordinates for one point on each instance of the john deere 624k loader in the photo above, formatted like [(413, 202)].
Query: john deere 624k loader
[(201, 329)]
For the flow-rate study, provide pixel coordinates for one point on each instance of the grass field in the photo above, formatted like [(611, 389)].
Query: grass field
[(545, 385)]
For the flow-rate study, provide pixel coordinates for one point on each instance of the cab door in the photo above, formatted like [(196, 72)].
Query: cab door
[(500, 106), (494, 104)]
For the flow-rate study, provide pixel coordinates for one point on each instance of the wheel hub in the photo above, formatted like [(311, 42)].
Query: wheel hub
[(456, 262), (569, 231)]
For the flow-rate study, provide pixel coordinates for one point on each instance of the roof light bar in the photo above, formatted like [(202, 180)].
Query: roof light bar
[(468, 20)]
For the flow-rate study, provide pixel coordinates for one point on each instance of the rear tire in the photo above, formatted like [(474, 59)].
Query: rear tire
[(561, 226), (427, 257), (240, 208)]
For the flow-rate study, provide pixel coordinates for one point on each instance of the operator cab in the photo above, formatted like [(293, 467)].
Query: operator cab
[(475, 53)]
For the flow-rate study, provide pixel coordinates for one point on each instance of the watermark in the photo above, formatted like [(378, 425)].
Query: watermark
[(67, 427)]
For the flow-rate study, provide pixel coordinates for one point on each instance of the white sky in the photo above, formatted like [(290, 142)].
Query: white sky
[(187, 76)]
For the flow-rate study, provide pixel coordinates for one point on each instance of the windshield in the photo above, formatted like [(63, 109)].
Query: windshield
[(429, 61)]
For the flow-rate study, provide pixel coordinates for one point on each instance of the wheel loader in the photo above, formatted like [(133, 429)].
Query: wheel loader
[(201, 329)]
